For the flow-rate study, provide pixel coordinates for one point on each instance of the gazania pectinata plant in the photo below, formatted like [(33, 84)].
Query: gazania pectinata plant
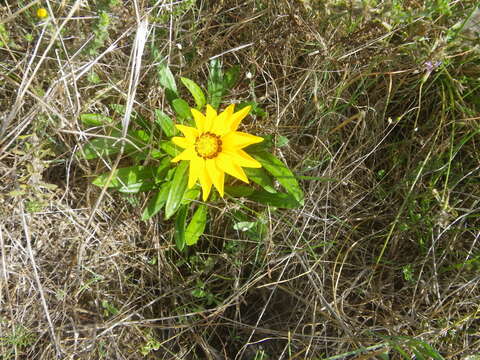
[(212, 153)]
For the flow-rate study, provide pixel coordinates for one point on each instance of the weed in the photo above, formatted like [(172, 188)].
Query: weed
[(101, 26), (16, 342)]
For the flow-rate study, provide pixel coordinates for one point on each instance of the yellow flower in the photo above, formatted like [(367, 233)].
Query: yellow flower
[(214, 147), (42, 13)]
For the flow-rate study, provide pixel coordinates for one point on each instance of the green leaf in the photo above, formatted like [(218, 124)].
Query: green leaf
[(170, 174), (167, 81), (256, 109), (162, 169), (140, 137), (282, 141), (133, 179), (239, 190), (259, 231), (283, 174), (179, 185), (142, 140), (118, 108), (215, 84), (196, 227), (100, 147), (196, 92), (165, 123), (180, 220), (190, 195), (142, 122), (95, 119), (280, 200), (156, 203), (423, 350), (170, 148), (261, 177), (199, 293), (401, 351), (244, 225), (135, 117), (418, 355), (140, 156), (265, 145), (231, 77), (93, 77), (182, 108)]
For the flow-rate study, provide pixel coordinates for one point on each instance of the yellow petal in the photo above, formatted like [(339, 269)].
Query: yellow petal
[(183, 142), (189, 132), (237, 117), (217, 175), (200, 120), (221, 125), (211, 117), (239, 140), (241, 158), (187, 154), (227, 164), (196, 165), (205, 180)]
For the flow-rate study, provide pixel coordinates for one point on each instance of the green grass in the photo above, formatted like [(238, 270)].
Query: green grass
[(373, 105)]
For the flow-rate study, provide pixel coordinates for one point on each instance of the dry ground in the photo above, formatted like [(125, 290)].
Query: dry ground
[(379, 102)]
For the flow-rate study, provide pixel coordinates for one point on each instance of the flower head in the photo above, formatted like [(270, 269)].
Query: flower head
[(431, 66), (215, 147), (42, 13)]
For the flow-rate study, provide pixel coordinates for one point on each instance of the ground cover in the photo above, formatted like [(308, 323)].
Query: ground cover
[(373, 105)]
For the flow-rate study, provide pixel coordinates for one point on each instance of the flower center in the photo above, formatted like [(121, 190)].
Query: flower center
[(208, 145)]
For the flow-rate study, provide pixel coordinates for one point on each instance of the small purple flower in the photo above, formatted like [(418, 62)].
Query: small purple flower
[(431, 66)]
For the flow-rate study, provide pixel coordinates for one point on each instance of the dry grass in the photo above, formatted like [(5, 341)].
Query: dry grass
[(385, 246)]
